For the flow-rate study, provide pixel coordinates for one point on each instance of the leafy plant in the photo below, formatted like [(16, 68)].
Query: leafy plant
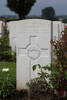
[(5, 49), (55, 75), (7, 79), (39, 87), (59, 71)]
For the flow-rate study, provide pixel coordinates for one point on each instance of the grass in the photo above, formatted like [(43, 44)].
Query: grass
[(7, 78), (12, 70)]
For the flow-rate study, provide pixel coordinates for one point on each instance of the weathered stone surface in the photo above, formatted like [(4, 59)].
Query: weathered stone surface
[(58, 27), (12, 35), (33, 47), (31, 38), (1, 28)]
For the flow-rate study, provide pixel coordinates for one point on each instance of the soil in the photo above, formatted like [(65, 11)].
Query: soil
[(24, 95)]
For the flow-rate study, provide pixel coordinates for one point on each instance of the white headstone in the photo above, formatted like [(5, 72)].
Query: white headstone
[(1, 28), (62, 30), (57, 29), (62, 25), (12, 35), (33, 47)]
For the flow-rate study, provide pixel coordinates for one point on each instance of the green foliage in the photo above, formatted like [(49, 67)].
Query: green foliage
[(34, 66), (64, 20), (59, 71), (42, 73), (7, 79), (53, 83), (5, 49), (39, 86), (21, 7), (55, 75), (48, 13)]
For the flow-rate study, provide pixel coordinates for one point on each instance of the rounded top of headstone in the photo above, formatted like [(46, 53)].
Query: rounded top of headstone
[(33, 24), (57, 22), (33, 20)]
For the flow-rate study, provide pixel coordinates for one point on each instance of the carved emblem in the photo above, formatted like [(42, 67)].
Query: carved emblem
[(33, 52)]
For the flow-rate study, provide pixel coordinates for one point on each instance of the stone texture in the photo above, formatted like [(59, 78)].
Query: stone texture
[(58, 27), (1, 28), (12, 35), (33, 47), (31, 39)]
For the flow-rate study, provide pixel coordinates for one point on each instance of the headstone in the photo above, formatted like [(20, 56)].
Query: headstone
[(62, 25), (62, 29), (12, 35), (57, 29), (33, 46), (1, 28)]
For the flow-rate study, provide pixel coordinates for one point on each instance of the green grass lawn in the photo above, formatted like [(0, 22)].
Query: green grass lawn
[(7, 78), (12, 70)]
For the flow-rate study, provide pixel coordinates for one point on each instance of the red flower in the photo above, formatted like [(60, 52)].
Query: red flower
[(5, 26)]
